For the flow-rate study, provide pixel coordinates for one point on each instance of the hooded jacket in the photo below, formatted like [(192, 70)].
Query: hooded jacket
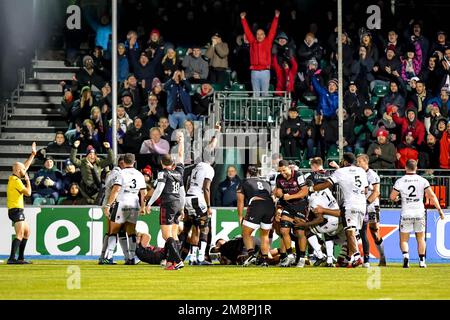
[(173, 90), (416, 127), (328, 103), (201, 102)]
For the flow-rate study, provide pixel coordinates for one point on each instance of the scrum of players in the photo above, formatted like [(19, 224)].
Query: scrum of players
[(302, 209)]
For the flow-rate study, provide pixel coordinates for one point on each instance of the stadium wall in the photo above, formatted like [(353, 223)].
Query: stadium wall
[(78, 231)]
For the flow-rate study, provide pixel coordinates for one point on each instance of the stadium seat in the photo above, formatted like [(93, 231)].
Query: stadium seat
[(217, 86), (374, 101), (359, 151), (237, 87), (234, 110), (380, 90), (333, 152), (304, 164), (259, 114), (181, 52), (306, 114)]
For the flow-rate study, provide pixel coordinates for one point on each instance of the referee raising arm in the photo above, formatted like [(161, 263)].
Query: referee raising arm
[(15, 192)]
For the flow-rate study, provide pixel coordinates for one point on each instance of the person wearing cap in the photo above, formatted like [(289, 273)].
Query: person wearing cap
[(360, 71), (284, 64), (354, 100), (123, 68), (393, 97), (328, 98), (387, 68), (144, 68), (131, 109), (154, 42), (387, 123), (412, 61), (382, 152), (46, 184), (70, 175), (91, 167), (217, 52), (87, 75), (132, 86), (432, 115), (308, 49), (364, 126), (195, 67), (406, 150), (157, 90), (444, 158), (260, 54)]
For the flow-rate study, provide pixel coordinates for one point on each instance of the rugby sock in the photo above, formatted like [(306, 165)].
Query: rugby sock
[(22, 246), (405, 254), (14, 246), (422, 257), (132, 246), (366, 258), (124, 245), (380, 247), (330, 247), (201, 252), (185, 250), (251, 251), (112, 242), (289, 251), (283, 255), (105, 245), (303, 253), (193, 254), (314, 242), (174, 256)]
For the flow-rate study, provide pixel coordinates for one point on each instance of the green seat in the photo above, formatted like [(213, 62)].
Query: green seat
[(374, 101), (304, 164), (306, 114), (333, 152), (271, 87), (218, 86), (259, 113), (181, 52), (237, 87), (359, 151), (301, 104), (380, 90), (194, 87), (234, 110)]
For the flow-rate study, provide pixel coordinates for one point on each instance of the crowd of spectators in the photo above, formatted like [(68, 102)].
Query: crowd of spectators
[(396, 89)]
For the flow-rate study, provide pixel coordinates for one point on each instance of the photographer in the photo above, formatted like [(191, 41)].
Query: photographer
[(91, 167)]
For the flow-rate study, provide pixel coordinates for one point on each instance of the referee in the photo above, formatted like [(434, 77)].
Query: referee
[(14, 193)]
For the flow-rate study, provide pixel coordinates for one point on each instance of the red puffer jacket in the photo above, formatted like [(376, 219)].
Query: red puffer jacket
[(260, 52)]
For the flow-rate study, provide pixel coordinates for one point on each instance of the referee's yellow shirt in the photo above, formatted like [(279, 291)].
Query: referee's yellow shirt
[(14, 193)]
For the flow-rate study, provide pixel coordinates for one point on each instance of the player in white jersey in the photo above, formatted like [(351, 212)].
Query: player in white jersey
[(324, 219), (125, 202), (198, 208), (412, 188), (353, 183), (373, 211), (113, 176)]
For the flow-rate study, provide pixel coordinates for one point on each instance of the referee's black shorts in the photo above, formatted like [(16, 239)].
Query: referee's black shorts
[(16, 215)]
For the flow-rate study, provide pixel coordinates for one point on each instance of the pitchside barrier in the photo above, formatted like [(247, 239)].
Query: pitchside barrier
[(78, 231)]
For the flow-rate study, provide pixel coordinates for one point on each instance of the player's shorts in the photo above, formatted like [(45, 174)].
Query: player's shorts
[(260, 214), (412, 224), (16, 215), (195, 206), (170, 213), (121, 213), (374, 214), (330, 226), (150, 255), (354, 218), (294, 212)]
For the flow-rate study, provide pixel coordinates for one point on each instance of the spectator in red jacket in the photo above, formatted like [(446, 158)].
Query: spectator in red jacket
[(260, 54), (410, 123), (284, 64), (406, 150), (444, 158)]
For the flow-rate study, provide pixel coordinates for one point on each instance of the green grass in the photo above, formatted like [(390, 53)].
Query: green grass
[(47, 279)]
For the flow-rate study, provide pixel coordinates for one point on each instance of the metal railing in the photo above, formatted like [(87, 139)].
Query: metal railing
[(7, 107)]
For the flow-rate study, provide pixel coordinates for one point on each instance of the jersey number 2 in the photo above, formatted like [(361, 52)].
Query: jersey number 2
[(412, 194)]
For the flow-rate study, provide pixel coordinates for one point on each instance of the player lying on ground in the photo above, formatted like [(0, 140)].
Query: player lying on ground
[(147, 253)]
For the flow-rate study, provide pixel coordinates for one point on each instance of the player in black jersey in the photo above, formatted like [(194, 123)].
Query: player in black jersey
[(147, 253), (170, 182), (293, 193), (260, 211)]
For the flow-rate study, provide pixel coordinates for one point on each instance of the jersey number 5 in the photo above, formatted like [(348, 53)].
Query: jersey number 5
[(358, 182)]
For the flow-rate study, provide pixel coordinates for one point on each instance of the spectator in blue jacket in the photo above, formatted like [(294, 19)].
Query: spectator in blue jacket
[(103, 31), (122, 62), (179, 105), (226, 194), (47, 183), (328, 98)]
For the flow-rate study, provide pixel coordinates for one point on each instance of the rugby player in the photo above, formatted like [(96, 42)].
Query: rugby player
[(353, 183), (123, 206), (15, 191), (292, 193), (412, 188), (147, 253), (373, 211), (168, 189), (257, 192)]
